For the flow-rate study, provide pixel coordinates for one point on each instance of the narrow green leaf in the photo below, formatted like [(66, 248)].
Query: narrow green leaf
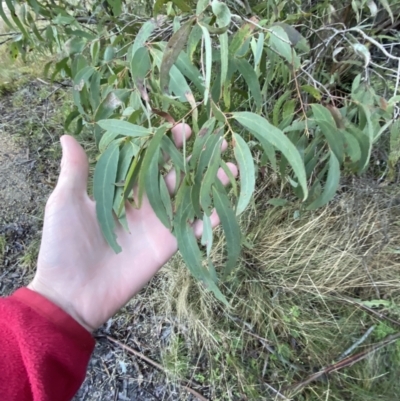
[(211, 146), (194, 38), (152, 186), (4, 17), (263, 130), (188, 246), (174, 47), (166, 199), (207, 236), (352, 147), (231, 228), (107, 106), (143, 35), (16, 20), (151, 149), (95, 81), (71, 117), (201, 6), (279, 41), (210, 177), (182, 5), (82, 77), (247, 172), (171, 150), (214, 30), (106, 139), (158, 5), (277, 107), (177, 85), (224, 49), (295, 37), (365, 146), (240, 38), (218, 114), (191, 72), (128, 152), (200, 141), (277, 202), (251, 79), (331, 184), (327, 124), (386, 6), (208, 69), (124, 128), (103, 191)]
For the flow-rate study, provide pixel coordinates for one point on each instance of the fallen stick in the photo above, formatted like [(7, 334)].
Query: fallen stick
[(156, 365), (344, 363)]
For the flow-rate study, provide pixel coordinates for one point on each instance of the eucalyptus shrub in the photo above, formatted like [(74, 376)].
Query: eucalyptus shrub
[(253, 79)]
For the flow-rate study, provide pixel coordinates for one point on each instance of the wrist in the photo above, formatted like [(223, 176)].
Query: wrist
[(66, 306)]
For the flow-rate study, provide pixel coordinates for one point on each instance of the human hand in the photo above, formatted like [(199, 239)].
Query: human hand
[(77, 270)]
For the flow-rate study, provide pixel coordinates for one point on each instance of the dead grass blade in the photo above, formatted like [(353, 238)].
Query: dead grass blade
[(344, 363)]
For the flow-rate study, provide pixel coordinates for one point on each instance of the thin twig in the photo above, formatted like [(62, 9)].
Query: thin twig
[(357, 343), (345, 363), (156, 365), (370, 310), (277, 392)]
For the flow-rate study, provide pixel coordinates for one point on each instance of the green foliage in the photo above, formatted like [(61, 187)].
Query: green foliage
[(261, 84)]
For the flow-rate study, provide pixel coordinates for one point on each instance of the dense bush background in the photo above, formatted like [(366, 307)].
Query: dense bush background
[(324, 79)]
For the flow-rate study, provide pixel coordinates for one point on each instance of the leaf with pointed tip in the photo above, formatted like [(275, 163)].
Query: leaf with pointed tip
[(200, 140), (174, 47), (152, 186), (144, 33), (247, 172), (201, 6), (182, 5), (188, 246), (16, 20), (230, 226), (103, 191), (208, 66), (240, 38), (124, 128), (140, 65), (264, 131), (209, 178), (224, 46), (331, 184), (177, 84), (211, 145), (128, 152), (194, 39), (191, 72), (328, 127), (207, 236), (251, 79), (279, 41), (4, 17), (151, 149), (106, 139), (171, 150)]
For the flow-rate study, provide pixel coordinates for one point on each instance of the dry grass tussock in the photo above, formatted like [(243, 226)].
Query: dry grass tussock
[(305, 292)]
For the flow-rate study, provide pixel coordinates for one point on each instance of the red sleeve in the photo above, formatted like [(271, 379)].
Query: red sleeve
[(44, 352)]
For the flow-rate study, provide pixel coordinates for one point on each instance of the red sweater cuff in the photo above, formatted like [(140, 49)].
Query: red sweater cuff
[(64, 322)]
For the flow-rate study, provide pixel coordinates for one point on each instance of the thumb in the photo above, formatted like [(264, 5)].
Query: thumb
[(74, 166)]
